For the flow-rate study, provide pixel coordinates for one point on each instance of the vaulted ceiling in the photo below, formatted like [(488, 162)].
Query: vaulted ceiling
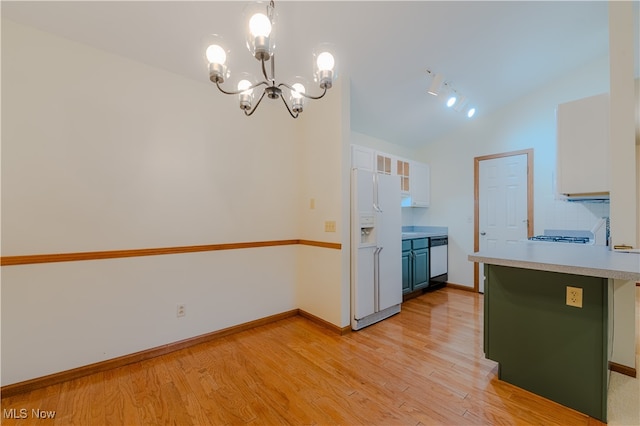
[(492, 52)]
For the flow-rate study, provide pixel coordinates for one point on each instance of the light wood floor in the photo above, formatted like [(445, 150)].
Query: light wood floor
[(423, 366)]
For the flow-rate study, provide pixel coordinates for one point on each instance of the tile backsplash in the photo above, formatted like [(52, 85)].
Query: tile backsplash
[(574, 215)]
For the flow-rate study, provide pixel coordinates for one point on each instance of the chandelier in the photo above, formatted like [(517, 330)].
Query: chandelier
[(260, 39)]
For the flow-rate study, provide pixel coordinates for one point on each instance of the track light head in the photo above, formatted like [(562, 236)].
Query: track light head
[(436, 85)]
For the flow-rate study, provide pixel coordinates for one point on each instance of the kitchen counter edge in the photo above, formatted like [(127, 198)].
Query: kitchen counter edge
[(417, 235), (593, 261)]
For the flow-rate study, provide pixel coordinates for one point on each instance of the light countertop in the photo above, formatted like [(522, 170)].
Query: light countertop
[(578, 259), (413, 232), (414, 235)]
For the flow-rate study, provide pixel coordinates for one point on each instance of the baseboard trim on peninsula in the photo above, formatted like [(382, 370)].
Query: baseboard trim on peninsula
[(63, 376), (622, 369)]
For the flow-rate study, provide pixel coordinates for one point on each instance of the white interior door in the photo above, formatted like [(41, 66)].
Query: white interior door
[(502, 203)]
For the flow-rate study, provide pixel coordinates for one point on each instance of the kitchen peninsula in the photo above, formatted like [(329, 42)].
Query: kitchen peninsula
[(541, 343)]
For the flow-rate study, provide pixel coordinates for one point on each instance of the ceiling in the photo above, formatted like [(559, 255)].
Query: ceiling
[(492, 52)]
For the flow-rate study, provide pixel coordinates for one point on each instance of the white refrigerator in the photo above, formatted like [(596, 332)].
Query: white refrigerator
[(376, 247)]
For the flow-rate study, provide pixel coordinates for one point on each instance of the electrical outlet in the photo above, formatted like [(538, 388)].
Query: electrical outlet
[(181, 311), (330, 226), (312, 203), (574, 297)]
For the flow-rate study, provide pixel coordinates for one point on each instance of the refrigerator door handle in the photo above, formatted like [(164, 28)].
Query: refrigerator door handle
[(376, 279), (376, 204)]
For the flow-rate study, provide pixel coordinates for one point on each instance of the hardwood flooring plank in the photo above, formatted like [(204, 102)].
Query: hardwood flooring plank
[(234, 367), (16, 410), (90, 393), (80, 401), (399, 383), (144, 391), (174, 407), (184, 377), (308, 385), (120, 403), (492, 408)]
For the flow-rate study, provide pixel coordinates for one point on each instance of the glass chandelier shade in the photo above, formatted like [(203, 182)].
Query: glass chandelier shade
[(260, 20), (245, 87), (296, 95), (324, 69), (216, 57)]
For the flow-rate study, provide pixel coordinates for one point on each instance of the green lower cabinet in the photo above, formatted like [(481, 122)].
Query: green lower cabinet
[(415, 265), (406, 272), (542, 344), (420, 269)]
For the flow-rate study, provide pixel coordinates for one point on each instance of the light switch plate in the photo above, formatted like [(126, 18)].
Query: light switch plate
[(330, 226)]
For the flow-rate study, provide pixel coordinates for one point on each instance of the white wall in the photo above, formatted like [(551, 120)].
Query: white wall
[(103, 153), (321, 279), (528, 123), (59, 316), (361, 139)]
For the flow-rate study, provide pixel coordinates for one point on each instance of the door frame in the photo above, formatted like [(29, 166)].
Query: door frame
[(476, 202)]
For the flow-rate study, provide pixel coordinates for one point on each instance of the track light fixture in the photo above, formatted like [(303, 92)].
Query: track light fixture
[(260, 40), (452, 98), (436, 84)]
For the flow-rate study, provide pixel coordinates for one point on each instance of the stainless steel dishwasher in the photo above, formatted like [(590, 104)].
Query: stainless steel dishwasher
[(438, 259)]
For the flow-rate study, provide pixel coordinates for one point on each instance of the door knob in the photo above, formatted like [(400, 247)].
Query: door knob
[(483, 233)]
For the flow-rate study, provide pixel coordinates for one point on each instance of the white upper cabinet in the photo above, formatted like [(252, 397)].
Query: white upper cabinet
[(583, 146), (384, 164), (362, 158), (403, 169), (419, 186), (414, 176)]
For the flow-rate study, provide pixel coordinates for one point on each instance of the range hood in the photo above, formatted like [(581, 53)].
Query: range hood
[(593, 197)]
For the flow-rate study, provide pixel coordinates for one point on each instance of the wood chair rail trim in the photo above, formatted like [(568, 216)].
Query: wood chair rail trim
[(114, 254)]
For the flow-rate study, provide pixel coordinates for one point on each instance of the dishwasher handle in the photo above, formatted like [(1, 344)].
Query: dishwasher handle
[(439, 241)]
